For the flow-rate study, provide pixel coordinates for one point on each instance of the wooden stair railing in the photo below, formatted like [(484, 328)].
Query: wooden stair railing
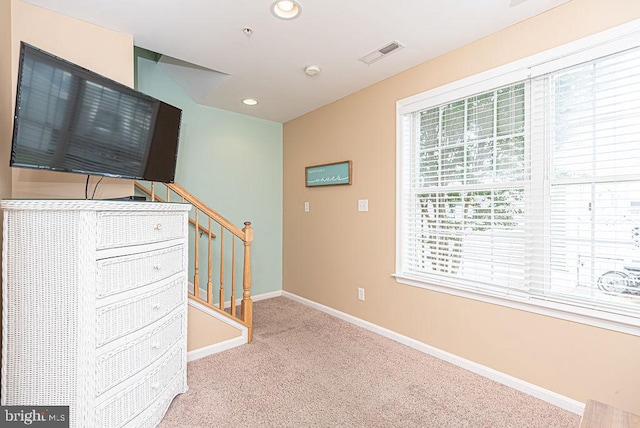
[(244, 235)]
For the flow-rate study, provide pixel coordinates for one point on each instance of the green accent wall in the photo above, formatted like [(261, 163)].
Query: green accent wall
[(233, 163)]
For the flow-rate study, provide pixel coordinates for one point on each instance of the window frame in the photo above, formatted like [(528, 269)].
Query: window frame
[(589, 48)]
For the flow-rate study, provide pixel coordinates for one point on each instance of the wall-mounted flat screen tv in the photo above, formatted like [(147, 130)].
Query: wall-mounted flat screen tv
[(68, 118)]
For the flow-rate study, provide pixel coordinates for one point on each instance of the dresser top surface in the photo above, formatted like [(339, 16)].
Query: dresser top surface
[(90, 205)]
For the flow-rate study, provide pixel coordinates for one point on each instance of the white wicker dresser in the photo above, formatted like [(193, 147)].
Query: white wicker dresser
[(94, 299)]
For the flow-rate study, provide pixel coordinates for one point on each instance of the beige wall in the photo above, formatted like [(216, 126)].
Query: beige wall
[(6, 100), (334, 249), (96, 48), (204, 330)]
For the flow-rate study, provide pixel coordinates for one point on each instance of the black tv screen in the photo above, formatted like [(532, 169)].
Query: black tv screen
[(68, 118)]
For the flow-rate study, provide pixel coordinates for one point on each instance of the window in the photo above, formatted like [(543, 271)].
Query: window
[(522, 185)]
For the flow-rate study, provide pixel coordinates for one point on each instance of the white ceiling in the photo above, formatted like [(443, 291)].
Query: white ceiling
[(269, 65)]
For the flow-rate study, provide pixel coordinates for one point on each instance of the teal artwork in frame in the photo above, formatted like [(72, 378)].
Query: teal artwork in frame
[(331, 174)]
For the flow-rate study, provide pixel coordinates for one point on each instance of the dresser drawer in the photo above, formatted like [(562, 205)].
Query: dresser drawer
[(126, 316), (124, 273), (127, 360), (135, 398), (154, 414), (117, 229)]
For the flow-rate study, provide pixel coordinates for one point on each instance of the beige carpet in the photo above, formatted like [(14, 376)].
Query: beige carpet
[(308, 369)]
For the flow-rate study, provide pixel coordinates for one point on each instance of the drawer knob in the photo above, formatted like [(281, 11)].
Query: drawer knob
[(155, 385), (156, 306), (158, 226), (155, 345), (156, 266)]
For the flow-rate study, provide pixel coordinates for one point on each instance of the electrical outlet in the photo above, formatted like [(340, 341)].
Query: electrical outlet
[(363, 204), (306, 207), (360, 293)]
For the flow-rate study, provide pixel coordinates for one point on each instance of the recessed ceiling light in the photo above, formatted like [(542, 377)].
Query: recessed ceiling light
[(249, 101), (286, 9), (312, 70)]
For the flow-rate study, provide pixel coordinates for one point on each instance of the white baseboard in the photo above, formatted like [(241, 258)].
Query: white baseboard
[(222, 346), (551, 397), (255, 298), (196, 354)]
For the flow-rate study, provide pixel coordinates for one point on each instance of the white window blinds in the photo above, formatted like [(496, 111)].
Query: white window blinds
[(464, 191), (529, 190), (588, 118)]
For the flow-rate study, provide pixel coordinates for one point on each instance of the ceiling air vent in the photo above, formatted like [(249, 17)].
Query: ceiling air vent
[(380, 52)]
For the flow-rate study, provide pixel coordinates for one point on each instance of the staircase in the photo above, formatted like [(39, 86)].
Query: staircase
[(209, 230)]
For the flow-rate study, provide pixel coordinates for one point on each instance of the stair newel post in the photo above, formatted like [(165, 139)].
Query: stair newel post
[(221, 298), (196, 267), (247, 305)]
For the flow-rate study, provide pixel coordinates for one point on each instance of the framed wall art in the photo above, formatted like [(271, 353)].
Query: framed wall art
[(330, 174)]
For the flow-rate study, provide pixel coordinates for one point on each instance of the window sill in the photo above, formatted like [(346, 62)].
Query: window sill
[(534, 304)]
